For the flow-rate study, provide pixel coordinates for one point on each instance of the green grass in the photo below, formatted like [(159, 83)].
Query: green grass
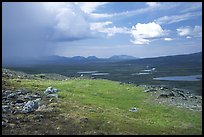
[(106, 104)]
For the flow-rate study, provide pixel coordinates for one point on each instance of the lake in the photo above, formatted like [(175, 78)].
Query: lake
[(100, 74), (139, 74), (87, 72), (181, 78)]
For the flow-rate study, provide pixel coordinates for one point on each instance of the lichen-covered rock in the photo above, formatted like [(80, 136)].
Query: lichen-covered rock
[(30, 106)]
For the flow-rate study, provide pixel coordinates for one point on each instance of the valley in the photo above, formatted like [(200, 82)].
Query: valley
[(137, 71)]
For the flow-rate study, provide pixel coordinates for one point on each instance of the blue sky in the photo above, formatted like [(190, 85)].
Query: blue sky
[(102, 29)]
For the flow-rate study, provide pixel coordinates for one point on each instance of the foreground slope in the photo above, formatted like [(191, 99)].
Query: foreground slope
[(90, 106)]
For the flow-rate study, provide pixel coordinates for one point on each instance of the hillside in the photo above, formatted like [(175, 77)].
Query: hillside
[(91, 106), (187, 60)]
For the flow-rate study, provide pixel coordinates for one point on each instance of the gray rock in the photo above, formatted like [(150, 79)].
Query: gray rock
[(163, 95), (5, 108), (194, 97), (4, 124), (181, 94), (12, 95), (30, 106), (133, 109), (150, 90), (21, 92), (171, 94), (162, 88), (50, 90), (28, 96), (19, 101), (84, 120), (6, 93), (36, 96)]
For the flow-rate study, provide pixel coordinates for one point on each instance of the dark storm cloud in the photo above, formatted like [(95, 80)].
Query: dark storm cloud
[(23, 32), (32, 29)]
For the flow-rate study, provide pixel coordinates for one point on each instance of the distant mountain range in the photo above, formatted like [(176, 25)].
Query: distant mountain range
[(81, 59), (189, 59)]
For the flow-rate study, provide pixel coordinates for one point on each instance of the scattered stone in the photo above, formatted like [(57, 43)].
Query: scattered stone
[(12, 95), (83, 120), (52, 95), (28, 96), (133, 109), (51, 100), (171, 94), (11, 125), (44, 108), (181, 94), (5, 108), (194, 97), (18, 80), (4, 124), (162, 88), (163, 95), (19, 101), (38, 117), (188, 92), (35, 96), (150, 90)]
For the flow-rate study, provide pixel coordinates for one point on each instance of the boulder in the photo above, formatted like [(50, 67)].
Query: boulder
[(50, 90), (30, 106)]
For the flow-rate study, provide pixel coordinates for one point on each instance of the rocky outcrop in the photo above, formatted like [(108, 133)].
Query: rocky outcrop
[(23, 101), (174, 96)]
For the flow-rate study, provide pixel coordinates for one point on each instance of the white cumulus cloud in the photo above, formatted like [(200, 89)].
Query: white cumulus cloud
[(189, 31), (143, 33)]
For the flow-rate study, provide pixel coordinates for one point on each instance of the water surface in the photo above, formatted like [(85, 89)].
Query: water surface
[(181, 78), (99, 74), (86, 72)]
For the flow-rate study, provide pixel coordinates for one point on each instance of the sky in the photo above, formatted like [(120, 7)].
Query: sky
[(102, 29)]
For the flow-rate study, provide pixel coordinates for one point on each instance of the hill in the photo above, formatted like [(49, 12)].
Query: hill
[(187, 60), (90, 106)]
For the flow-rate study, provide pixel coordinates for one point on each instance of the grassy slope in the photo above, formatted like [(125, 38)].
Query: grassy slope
[(106, 104)]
